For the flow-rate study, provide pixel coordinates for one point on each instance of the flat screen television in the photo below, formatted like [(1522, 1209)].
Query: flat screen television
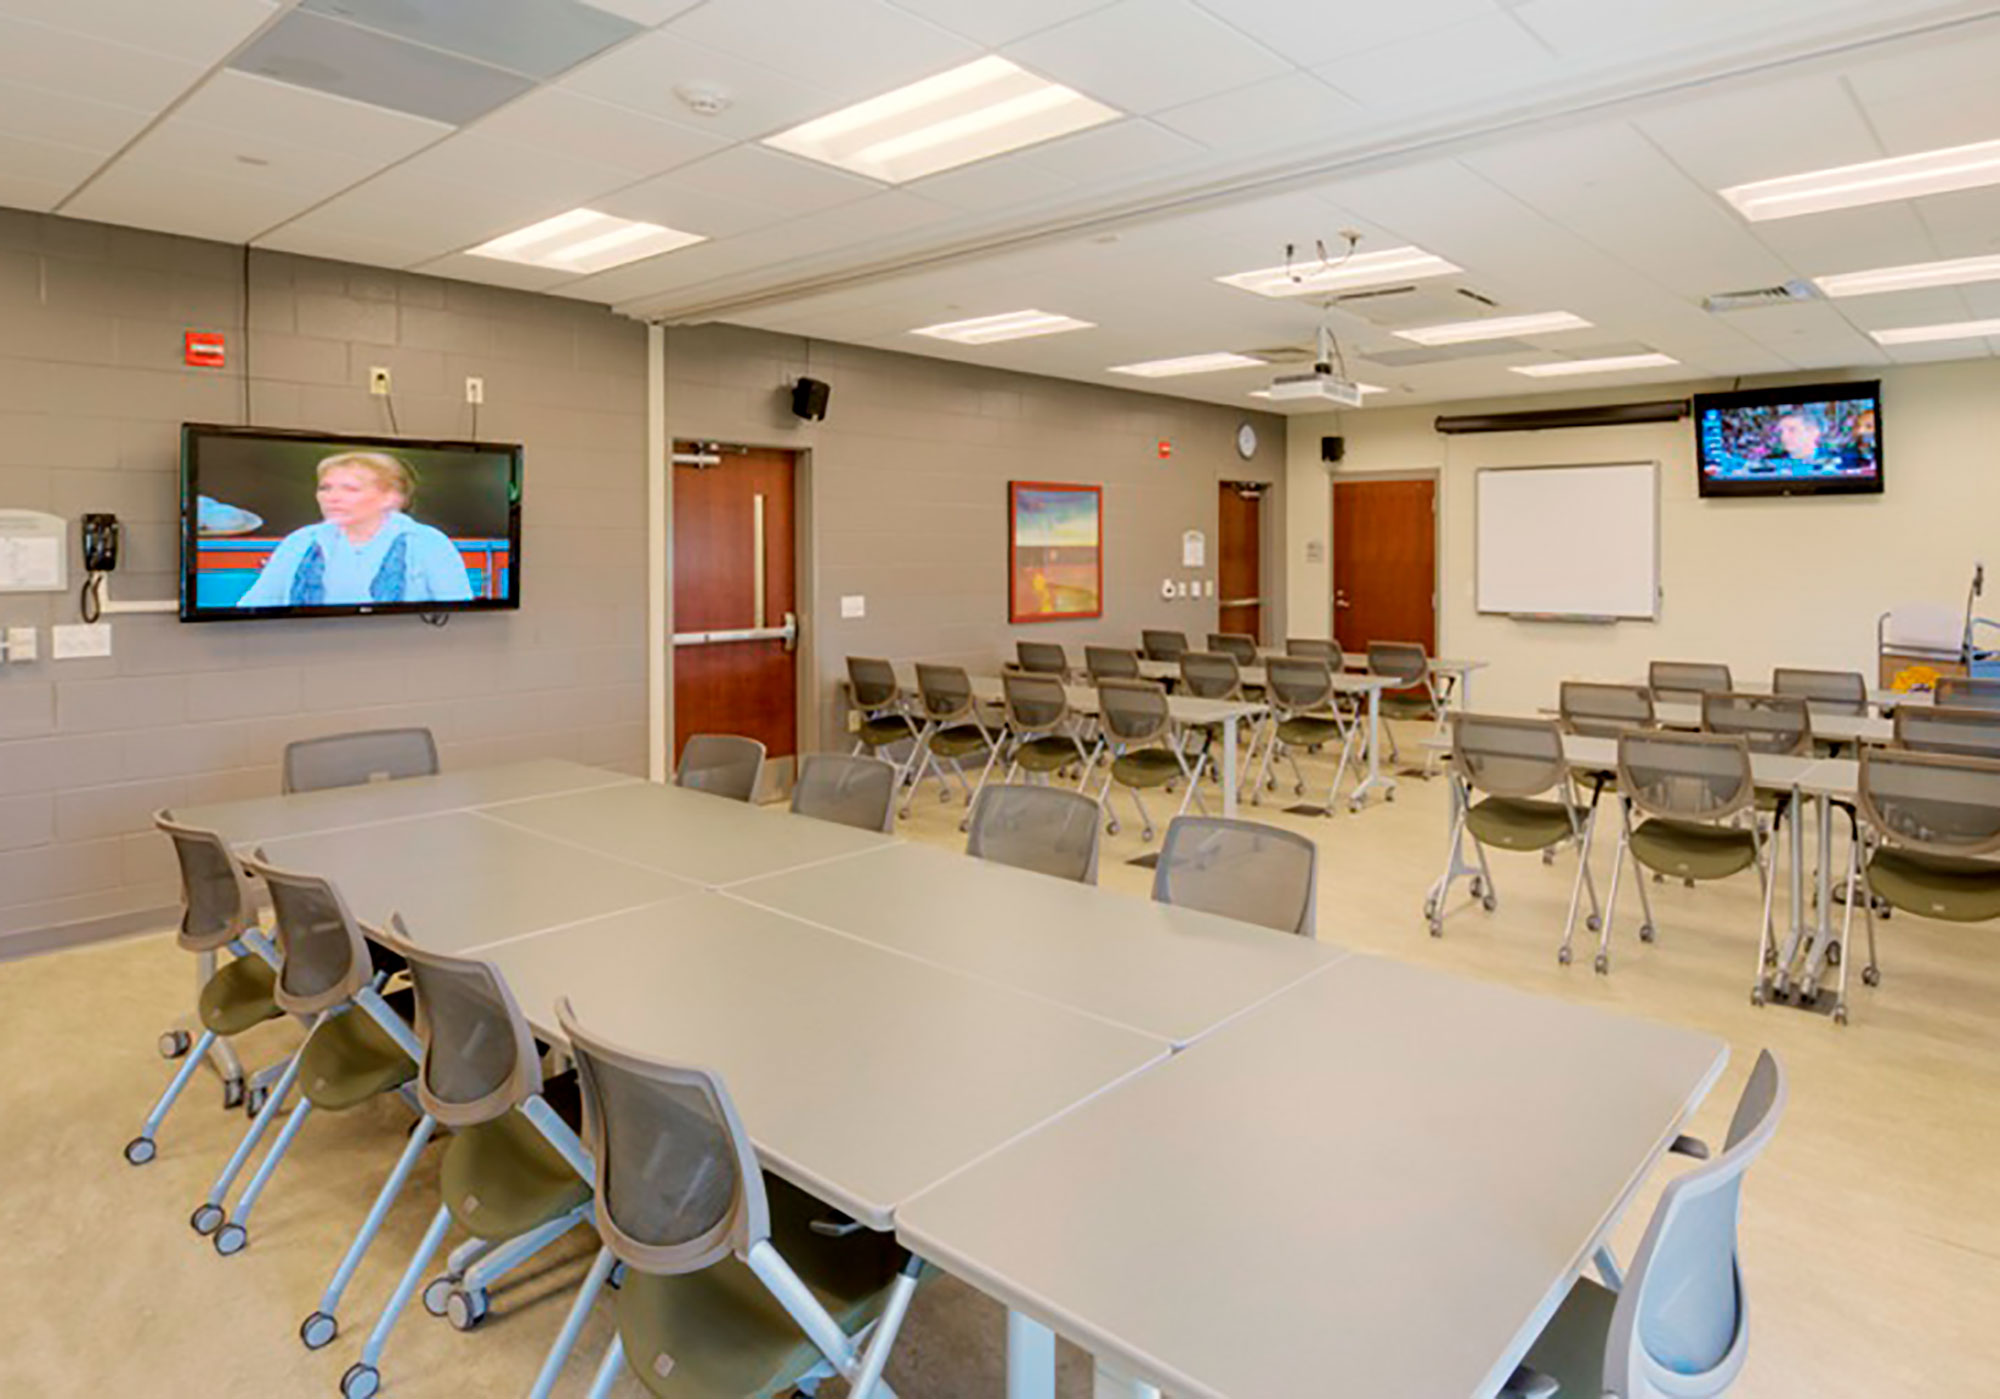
[(277, 523), (1817, 439)]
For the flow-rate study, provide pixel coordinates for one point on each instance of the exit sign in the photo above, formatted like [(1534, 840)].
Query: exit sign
[(204, 349)]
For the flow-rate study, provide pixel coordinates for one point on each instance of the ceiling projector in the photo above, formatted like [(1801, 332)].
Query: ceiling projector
[(1321, 386)]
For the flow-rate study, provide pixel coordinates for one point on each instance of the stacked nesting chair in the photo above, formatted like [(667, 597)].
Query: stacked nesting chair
[(1049, 830), (885, 719), (359, 1046), (1685, 682), (218, 914), (1511, 791), (1160, 645), (1306, 716), (722, 765), (847, 790), (1240, 869), (1144, 752), (953, 730), (1413, 697), (1041, 727), (735, 1283), (514, 1176)]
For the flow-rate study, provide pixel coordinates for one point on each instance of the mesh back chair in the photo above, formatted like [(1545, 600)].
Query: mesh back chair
[(730, 1289), (1676, 1325), (885, 722), (953, 730), (1110, 663), (1828, 691), (1774, 724), (1689, 790), (1970, 733), (1968, 692), (1045, 829), (1591, 709), (1163, 645), (1240, 645), (352, 759), (1138, 736), (1305, 717), (1043, 739), (217, 915), (1511, 791), (1685, 682), (1307, 648), (723, 765), (1042, 658), (514, 1175), (1211, 675), (1414, 696), (858, 792), (358, 1046), (1239, 869)]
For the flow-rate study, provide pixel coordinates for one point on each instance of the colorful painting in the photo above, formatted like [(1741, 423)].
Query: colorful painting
[(1056, 558)]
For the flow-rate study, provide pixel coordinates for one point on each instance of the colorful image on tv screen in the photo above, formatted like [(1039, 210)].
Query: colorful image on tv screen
[(1829, 440)]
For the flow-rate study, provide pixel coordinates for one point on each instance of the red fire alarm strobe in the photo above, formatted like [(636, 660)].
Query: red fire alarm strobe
[(204, 349), (1166, 449)]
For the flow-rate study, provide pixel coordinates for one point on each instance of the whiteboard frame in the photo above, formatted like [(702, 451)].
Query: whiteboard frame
[(1478, 505)]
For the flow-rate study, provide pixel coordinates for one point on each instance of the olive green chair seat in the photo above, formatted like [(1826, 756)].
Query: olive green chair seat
[(958, 741), (1308, 731), (1692, 849), (1407, 707), (1147, 767), (720, 1334), (502, 1178), (349, 1059), (1950, 887), (1046, 754), (239, 995), (1519, 823), (881, 732), (1570, 1349)]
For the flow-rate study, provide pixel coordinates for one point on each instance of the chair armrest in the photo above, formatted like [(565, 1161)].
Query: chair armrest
[(1690, 1146), (1527, 1383)]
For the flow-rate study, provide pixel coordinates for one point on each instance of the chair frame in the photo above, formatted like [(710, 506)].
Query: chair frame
[(1112, 747), (1327, 705)]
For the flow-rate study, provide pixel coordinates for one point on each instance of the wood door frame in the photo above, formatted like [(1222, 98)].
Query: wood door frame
[(1435, 476)]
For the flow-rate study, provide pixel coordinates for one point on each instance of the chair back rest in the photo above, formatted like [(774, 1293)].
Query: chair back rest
[(1211, 675), (1686, 681), (352, 759), (217, 904), (322, 956), (1768, 723), (479, 1060), (944, 693), (1163, 645), (1684, 776), (723, 765), (871, 680), (678, 1184), (1042, 658), (1050, 830), (1239, 869), (1405, 662), (854, 791), (1133, 711), (1241, 645), (1298, 684), (1111, 662), (1503, 756), (1970, 733), (1592, 709), (1680, 1326), (1036, 704), (1314, 650), (1968, 692), (1829, 691), (1934, 803)]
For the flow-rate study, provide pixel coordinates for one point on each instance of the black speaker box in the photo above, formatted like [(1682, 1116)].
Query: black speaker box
[(1332, 449), (809, 398)]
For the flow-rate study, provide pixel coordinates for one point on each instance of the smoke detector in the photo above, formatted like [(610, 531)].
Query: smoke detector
[(704, 99)]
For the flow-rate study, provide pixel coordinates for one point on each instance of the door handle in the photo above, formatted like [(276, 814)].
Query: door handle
[(1241, 602), (788, 633), (1342, 602)]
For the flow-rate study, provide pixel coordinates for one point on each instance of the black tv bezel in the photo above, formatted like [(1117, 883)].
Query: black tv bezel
[(190, 473), (1792, 394)]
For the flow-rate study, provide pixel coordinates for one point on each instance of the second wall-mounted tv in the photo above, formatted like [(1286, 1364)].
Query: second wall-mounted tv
[(1815, 439), (277, 523)]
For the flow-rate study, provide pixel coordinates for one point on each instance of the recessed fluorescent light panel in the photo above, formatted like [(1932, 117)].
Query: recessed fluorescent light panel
[(1496, 328), (1363, 389), (1385, 268), (1873, 182), (980, 109), (584, 240), (1186, 364), (1014, 325), (1610, 365), (1954, 273), (1925, 334)]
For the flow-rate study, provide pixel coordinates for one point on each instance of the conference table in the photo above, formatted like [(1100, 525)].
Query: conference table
[(1198, 1147), (1847, 729)]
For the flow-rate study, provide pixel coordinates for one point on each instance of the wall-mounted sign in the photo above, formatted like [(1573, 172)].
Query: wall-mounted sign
[(203, 349), (1194, 549), (1166, 449), (1315, 551)]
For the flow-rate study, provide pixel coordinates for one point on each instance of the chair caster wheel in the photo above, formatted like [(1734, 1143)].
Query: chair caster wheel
[(1840, 1015), (1548, 857), (1437, 927), (174, 1044), (1833, 954), (1757, 995), (1431, 909), (139, 1151), (253, 1102), (464, 1309), (232, 1094), (1594, 923), (1477, 886), (1112, 829), (437, 1296), (231, 1239), (360, 1382), (1562, 956), (1602, 964), (318, 1331), (1871, 976), (1489, 901), (1389, 795), (1645, 932), (206, 1219), (1299, 789)]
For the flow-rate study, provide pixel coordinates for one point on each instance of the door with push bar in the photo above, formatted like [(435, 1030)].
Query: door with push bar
[(735, 596), (1239, 559)]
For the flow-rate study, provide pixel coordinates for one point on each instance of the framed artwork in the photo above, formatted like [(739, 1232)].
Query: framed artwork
[(1055, 558)]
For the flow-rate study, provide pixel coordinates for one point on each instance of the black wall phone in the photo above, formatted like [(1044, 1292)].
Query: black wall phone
[(100, 543)]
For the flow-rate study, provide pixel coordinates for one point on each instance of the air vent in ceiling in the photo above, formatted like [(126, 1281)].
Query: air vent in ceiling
[(1781, 295)]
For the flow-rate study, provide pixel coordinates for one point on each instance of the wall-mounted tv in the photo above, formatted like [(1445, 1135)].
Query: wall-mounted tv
[(277, 523), (1816, 439)]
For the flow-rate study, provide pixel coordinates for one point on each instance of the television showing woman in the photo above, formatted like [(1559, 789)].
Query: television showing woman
[(366, 548)]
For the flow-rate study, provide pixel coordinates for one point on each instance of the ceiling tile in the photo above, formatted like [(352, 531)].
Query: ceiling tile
[(44, 115), (28, 192), (1587, 29), (194, 149), (569, 124), (1111, 152), (538, 37), (773, 180), (1965, 224), (197, 31), (38, 57), (1849, 240), (1758, 133), (991, 24), (1446, 69), (1294, 110), (856, 48), (991, 185), (495, 272), (646, 12), (316, 52), (178, 201), (1305, 32), (1145, 55), (46, 162), (299, 237), (548, 177), (666, 199), (643, 74), (245, 103)]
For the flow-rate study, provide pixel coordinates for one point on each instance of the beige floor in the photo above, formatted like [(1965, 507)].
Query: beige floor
[(1872, 1230)]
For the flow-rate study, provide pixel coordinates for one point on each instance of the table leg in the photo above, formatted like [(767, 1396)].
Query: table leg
[(1823, 934), (1031, 1359), (1375, 778), (1229, 726), (1795, 841)]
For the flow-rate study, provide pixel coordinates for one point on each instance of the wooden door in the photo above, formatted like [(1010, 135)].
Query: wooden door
[(1239, 559), (735, 685), (1385, 562)]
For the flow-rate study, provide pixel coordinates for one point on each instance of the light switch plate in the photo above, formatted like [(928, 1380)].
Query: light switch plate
[(77, 643), (21, 644), (854, 605), (1181, 589)]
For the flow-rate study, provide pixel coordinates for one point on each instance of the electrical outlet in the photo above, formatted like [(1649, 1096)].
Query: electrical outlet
[(378, 380), (21, 644), (853, 605), (854, 721), (77, 643), (475, 389)]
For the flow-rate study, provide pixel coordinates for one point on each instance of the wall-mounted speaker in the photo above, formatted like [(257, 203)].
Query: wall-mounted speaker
[(809, 398), (1332, 449)]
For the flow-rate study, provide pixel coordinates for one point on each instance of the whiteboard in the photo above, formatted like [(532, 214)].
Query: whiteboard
[(1569, 541)]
